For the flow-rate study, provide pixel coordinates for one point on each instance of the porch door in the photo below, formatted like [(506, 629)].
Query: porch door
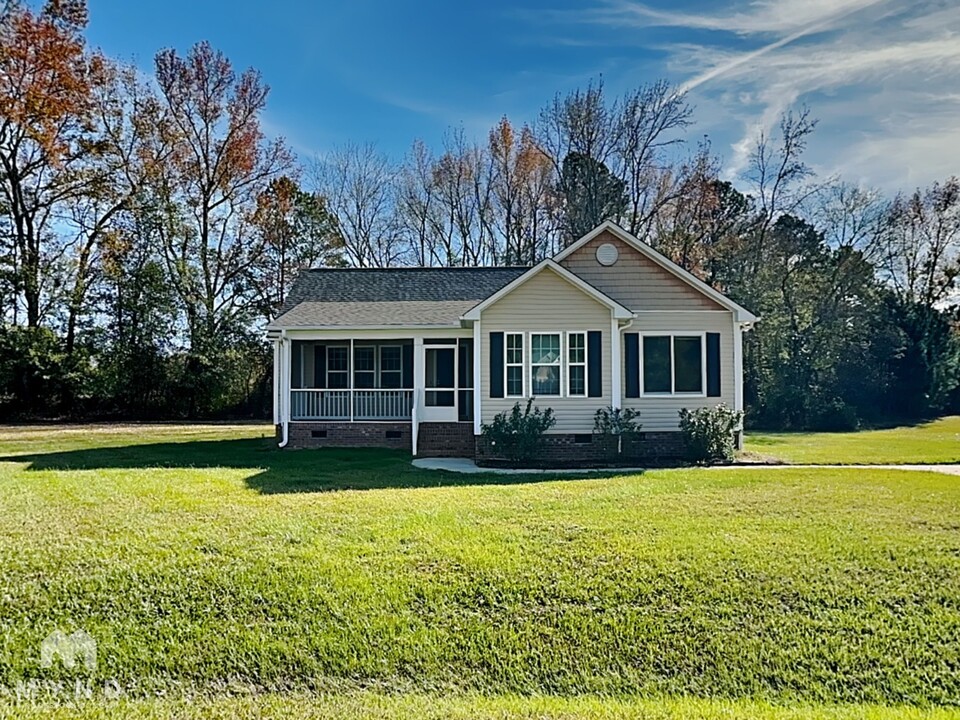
[(440, 383)]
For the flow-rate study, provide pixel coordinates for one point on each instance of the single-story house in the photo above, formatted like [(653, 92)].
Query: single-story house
[(421, 358)]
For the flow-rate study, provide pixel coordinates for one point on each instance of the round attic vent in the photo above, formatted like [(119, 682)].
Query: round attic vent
[(607, 254)]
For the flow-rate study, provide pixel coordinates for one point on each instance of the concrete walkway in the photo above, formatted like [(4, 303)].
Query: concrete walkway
[(464, 465)]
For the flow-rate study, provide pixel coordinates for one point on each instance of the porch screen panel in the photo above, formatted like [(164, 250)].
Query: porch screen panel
[(320, 366), (465, 380), (408, 366)]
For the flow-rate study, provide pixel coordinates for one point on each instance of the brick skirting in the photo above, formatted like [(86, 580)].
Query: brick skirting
[(360, 434), (564, 450), (452, 439)]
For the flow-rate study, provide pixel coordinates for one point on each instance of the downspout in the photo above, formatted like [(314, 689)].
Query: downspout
[(284, 389)]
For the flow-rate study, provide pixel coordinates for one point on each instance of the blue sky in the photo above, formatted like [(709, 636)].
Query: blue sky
[(882, 75)]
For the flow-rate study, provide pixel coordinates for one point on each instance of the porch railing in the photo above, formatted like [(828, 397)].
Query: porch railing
[(310, 404)]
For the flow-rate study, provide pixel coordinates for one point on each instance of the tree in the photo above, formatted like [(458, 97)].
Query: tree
[(220, 165), (921, 244), (297, 232), (46, 79), (359, 184), (521, 184), (591, 194)]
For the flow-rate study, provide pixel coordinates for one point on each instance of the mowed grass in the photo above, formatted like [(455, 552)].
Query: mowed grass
[(349, 584), (937, 441)]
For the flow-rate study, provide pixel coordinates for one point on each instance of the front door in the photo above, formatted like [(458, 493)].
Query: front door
[(440, 383)]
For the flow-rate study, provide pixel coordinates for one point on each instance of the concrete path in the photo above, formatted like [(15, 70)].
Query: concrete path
[(464, 465)]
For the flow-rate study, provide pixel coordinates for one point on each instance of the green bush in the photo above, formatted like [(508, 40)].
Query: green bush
[(517, 435), (616, 422), (708, 432)]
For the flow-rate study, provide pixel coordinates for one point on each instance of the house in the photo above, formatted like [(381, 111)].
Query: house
[(420, 358)]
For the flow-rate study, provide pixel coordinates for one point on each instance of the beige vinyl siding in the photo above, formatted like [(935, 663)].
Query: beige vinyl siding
[(546, 303), (662, 413), (634, 280)]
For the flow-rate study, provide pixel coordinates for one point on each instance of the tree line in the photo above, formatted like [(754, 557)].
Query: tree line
[(149, 228)]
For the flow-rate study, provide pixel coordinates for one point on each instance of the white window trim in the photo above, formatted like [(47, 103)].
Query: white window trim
[(379, 365), (376, 364), (522, 364), (673, 365), (346, 372), (559, 364), (585, 364)]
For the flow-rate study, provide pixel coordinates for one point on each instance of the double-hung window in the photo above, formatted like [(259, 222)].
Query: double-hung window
[(673, 364), (514, 364), (545, 363), (338, 371), (576, 364)]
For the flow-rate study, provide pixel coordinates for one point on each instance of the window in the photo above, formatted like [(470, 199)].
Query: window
[(391, 366), (338, 372), (545, 363), (364, 366), (673, 364), (688, 365), (576, 364), (514, 358)]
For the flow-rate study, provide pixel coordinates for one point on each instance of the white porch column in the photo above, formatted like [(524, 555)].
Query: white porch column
[(476, 377), (616, 359), (418, 383)]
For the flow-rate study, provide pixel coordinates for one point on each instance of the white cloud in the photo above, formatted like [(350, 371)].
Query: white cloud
[(879, 73)]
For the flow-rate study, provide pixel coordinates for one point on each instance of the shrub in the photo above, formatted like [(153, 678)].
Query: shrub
[(708, 432), (517, 435), (616, 422)]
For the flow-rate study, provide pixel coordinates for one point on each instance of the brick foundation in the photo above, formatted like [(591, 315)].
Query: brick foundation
[(361, 434), (454, 439), (563, 450)]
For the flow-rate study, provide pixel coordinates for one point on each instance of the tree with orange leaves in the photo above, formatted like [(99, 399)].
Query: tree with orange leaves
[(45, 121)]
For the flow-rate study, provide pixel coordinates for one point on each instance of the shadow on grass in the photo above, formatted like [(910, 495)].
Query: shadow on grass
[(274, 470)]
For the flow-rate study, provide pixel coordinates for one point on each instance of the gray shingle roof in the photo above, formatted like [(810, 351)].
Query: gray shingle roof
[(393, 296)]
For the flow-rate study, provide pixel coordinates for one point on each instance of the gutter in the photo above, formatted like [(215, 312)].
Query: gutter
[(285, 398)]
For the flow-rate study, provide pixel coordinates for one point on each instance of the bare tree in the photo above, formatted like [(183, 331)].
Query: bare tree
[(921, 244), (651, 118), (360, 186)]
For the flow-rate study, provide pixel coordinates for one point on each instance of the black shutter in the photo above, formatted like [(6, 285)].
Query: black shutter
[(595, 363), (496, 364), (713, 364), (408, 365), (632, 351), (320, 366)]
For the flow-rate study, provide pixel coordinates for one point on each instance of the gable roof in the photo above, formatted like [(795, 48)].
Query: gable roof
[(619, 311), (351, 297), (740, 313)]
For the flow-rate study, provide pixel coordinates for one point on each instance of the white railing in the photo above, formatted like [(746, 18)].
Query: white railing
[(311, 404)]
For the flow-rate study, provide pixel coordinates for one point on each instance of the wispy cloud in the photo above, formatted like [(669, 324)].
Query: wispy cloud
[(881, 75)]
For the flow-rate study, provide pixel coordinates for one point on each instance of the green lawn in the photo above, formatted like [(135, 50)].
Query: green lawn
[(349, 584), (937, 441)]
